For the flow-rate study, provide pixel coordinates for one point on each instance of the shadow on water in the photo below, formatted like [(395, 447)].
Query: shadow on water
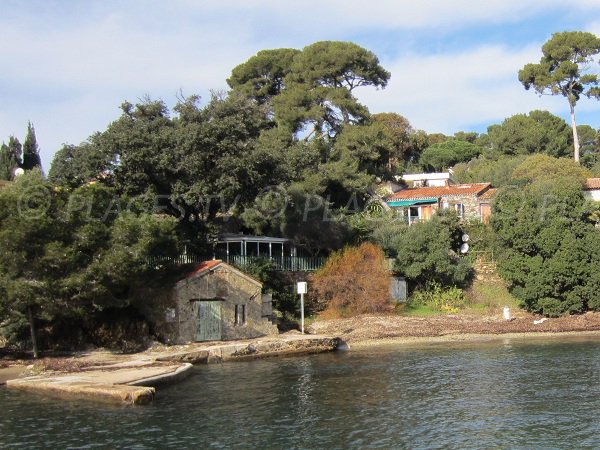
[(506, 393)]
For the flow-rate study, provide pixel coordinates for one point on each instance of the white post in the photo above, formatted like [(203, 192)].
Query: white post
[(302, 313), (302, 289)]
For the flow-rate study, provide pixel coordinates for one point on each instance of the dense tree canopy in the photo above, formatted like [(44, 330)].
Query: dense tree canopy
[(311, 91), (75, 165), (538, 167), (498, 171), (321, 84), (290, 124), (262, 77), (424, 252), (589, 141), (551, 248), (444, 155), (406, 143), (71, 254), (524, 134), (192, 166)]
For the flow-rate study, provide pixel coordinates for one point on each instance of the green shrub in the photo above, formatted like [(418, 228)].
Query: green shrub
[(550, 248), (427, 252), (434, 296)]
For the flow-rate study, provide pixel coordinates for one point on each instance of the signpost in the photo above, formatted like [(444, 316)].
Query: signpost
[(302, 289)]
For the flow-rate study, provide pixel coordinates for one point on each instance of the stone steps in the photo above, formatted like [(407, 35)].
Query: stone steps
[(486, 270)]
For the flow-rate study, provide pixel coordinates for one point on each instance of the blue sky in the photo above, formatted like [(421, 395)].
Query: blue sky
[(68, 65)]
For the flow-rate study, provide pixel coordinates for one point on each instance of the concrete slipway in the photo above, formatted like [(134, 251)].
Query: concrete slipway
[(132, 379)]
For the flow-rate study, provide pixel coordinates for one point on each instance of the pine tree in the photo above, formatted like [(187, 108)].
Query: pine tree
[(31, 154), (10, 158)]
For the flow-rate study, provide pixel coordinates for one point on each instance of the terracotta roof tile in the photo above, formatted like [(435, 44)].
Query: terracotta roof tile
[(592, 183), (442, 191), (204, 266)]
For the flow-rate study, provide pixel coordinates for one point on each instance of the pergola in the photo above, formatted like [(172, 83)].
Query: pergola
[(247, 245)]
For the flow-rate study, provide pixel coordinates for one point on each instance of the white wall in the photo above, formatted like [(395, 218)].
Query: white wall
[(592, 194)]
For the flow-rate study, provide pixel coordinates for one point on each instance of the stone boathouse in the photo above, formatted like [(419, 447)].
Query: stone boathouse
[(219, 302)]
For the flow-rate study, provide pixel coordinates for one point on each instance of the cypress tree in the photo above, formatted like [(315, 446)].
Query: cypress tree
[(31, 154), (4, 170), (10, 158)]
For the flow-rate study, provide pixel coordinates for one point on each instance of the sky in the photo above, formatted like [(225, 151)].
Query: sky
[(68, 65)]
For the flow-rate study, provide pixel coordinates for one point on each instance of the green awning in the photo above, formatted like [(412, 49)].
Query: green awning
[(411, 202)]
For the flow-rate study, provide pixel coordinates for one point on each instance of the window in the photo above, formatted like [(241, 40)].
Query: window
[(413, 214), (240, 314), (460, 209)]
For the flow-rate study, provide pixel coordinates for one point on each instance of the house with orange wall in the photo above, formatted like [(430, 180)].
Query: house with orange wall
[(470, 201)]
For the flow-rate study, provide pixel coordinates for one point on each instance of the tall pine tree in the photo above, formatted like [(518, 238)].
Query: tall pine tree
[(10, 158), (31, 153)]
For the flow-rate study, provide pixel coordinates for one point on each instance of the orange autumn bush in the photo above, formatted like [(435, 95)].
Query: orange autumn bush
[(353, 281)]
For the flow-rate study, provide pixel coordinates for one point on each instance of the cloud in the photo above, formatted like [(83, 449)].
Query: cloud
[(593, 27), (114, 55), (337, 15), (70, 80), (451, 92), (69, 65)]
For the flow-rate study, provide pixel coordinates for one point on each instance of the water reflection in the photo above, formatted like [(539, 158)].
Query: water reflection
[(506, 394)]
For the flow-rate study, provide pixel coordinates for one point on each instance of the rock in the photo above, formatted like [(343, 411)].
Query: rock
[(193, 357)]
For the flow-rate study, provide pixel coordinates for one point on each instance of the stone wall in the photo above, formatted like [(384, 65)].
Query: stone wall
[(471, 205)]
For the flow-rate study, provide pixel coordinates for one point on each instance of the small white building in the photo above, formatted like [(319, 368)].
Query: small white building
[(592, 189), (415, 180)]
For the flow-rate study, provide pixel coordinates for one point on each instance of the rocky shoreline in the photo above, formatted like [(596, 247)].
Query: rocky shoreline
[(366, 329), (132, 379)]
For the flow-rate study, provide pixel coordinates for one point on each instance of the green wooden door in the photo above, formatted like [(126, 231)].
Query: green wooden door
[(209, 321)]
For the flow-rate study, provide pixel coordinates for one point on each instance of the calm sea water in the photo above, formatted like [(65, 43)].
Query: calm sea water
[(506, 394)]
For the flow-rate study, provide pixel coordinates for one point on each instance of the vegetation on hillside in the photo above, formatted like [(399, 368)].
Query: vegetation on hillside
[(290, 151)]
